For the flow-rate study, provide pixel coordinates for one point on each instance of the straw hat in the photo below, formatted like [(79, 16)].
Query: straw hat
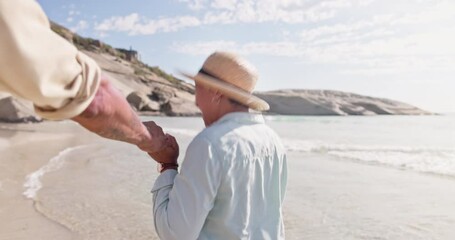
[(232, 76)]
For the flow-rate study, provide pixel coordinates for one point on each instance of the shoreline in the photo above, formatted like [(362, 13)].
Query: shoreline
[(145, 114), (20, 218)]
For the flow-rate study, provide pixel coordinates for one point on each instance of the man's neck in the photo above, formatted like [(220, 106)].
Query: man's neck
[(233, 109), (230, 109)]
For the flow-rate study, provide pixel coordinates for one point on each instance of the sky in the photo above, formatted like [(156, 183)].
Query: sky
[(398, 49)]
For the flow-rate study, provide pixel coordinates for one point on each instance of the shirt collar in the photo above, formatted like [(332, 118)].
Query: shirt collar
[(241, 117)]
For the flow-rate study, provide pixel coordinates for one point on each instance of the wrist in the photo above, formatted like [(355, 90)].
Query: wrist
[(144, 140), (165, 166)]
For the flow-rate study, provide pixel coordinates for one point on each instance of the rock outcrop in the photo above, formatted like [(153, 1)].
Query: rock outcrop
[(14, 110), (324, 102), (141, 102)]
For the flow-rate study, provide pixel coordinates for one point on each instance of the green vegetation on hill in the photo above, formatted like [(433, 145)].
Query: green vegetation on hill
[(163, 74), (94, 45)]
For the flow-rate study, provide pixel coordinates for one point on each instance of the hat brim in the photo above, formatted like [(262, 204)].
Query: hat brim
[(230, 91)]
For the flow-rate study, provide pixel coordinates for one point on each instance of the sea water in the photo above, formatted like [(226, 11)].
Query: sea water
[(415, 143)]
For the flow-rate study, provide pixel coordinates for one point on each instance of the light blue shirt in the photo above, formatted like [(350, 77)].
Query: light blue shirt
[(231, 185)]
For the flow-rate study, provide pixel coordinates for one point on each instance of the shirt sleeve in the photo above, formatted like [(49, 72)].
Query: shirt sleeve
[(181, 202), (38, 65)]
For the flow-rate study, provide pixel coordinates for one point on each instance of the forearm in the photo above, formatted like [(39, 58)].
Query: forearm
[(182, 201), (170, 219), (160, 206), (109, 115)]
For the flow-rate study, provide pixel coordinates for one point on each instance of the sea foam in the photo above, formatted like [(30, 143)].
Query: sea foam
[(423, 159), (33, 180), (181, 131)]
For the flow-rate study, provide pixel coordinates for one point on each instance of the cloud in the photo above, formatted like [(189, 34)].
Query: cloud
[(137, 25), (357, 54), (282, 49), (126, 23), (229, 12), (80, 26), (441, 11), (203, 48), (390, 41), (73, 13), (259, 11), (224, 4), (347, 31), (194, 4)]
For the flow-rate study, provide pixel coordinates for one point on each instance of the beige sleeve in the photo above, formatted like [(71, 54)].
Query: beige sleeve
[(39, 65)]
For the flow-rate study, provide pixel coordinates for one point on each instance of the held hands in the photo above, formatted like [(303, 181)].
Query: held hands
[(167, 158), (110, 116), (156, 140), (164, 147)]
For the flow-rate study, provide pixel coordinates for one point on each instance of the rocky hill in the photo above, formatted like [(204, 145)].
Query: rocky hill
[(148, 89), (325, 102), (151, 91)]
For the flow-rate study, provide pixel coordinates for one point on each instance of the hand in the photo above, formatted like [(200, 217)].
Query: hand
[(169, 154), (158, 139)]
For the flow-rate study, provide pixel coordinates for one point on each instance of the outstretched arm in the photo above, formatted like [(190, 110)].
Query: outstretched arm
[(109, 115), (62, 82)]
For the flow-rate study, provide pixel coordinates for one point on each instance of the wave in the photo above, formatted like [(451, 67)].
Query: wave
[(295, 145), (181, 131), (422, 159), (33, 180), (429, 162)]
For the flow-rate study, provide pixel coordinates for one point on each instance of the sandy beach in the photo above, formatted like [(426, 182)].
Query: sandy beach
[(58, 181)]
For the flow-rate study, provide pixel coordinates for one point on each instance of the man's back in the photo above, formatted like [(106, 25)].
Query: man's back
[(252, 179), (231, 185)]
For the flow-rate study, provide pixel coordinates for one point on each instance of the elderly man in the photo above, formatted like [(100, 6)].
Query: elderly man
[(233, 177)]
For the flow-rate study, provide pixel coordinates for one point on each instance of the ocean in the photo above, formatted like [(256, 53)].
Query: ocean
[(99, 189), (416, 143)]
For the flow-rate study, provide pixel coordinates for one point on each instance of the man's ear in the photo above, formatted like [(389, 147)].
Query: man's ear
[(217, 97)]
